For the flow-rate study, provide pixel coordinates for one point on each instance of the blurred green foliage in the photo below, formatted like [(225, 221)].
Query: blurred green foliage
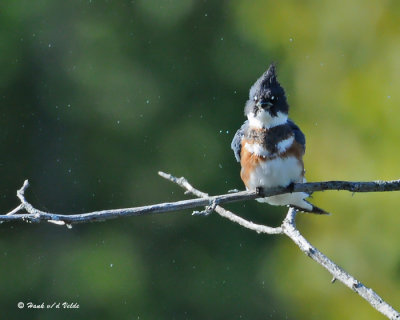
[(96, 96)]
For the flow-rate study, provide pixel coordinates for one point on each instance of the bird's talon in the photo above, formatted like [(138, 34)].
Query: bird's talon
[(291, 187)]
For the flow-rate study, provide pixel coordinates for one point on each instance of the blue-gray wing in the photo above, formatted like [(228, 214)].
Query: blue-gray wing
[(236, 144), (298, 135)]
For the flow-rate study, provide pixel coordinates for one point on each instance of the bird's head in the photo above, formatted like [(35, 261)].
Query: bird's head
[(267, 105)]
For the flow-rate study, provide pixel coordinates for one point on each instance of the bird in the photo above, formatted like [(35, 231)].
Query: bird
[(270, 146)]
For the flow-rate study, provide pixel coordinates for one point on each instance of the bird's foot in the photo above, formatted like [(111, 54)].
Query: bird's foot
[(260, 191), (290, 187)]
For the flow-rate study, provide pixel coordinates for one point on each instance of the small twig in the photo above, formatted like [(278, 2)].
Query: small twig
[(21, 192), (21, 197), (208, 209), (182, 182), (14, 211)]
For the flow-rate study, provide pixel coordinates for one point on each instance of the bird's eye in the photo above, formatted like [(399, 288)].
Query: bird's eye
[(272, 98), (255, 98)]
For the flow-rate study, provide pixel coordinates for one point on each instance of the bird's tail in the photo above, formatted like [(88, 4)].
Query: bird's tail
[(313, 209), (295, 200)]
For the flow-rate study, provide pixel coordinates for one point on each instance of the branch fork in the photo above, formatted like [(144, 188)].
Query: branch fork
[(289, 229), (28, 213)]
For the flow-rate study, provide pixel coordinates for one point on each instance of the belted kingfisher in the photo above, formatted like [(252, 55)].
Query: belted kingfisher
[(270, 146)]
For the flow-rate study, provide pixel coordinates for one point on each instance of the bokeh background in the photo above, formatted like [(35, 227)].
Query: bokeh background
[(96, 96)]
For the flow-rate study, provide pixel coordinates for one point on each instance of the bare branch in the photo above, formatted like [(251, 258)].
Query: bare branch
[(289, 228), (35, 215), (352, 186), (310, 187), (338, 273), (218, 209), (212, 203)]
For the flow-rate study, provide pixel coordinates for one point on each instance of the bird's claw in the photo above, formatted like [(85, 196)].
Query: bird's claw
[(291, 187), (259, 191)]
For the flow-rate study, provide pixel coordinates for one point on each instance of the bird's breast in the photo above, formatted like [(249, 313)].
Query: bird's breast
[(261, 168)]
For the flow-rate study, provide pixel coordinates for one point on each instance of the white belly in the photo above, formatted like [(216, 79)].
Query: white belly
[(276, 172), (280, 172)]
